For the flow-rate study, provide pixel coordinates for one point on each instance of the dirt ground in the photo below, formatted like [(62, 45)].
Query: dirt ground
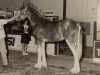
[(57, 65)]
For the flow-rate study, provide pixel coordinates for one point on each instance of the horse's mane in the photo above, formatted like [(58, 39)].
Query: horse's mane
[(35, 12)]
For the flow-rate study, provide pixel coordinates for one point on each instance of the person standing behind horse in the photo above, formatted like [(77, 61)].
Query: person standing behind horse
[(25, 37)]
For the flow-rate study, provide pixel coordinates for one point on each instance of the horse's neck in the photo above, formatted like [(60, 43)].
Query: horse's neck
[(35, 15)]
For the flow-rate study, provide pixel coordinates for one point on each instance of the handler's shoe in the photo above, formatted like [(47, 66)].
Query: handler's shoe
[(25, 53)]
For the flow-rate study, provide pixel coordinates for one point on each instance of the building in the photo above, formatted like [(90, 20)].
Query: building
[(79, 10)]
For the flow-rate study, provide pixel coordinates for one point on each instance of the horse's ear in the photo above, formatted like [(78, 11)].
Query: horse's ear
[(26, 6)]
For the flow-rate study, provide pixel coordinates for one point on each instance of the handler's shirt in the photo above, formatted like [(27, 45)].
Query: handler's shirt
[(2, 32)]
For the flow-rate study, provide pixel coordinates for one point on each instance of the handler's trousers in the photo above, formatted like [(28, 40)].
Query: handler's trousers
[(3, 51)]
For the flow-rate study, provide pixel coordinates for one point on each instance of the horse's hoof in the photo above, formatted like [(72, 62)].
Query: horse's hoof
[(38, 66), (75, 71), (5, 63), (44, 65)]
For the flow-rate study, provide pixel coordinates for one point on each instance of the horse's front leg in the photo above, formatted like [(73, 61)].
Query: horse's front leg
[(39, 62), (44, 62)]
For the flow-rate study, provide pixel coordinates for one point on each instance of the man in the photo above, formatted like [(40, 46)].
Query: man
[(2, 39)]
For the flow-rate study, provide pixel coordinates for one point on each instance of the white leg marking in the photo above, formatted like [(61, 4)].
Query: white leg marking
[(44, 62), (38, 64), (76, 67)]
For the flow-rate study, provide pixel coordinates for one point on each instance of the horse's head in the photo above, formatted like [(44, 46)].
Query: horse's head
[(30, 12), (23, 14)]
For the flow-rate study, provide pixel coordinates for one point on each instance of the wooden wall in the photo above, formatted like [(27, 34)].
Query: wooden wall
[(79, 10), (83, 11), (10, 4), (98, 20), (50, 5)]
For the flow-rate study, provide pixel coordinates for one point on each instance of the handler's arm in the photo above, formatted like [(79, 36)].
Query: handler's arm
[(13, 18)]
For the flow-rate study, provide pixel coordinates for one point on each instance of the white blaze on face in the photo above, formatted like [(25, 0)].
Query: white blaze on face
[(23, 17), (24, 13)]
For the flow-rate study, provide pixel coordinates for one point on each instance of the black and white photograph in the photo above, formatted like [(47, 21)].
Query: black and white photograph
[(49, 37)]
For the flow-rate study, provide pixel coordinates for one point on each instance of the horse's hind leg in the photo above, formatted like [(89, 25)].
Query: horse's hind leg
[(77, 53), (38, 64)]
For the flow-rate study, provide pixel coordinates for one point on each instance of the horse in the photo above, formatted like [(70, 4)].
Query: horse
[(44, 30)]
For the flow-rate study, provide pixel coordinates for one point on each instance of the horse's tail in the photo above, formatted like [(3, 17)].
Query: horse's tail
[(79, 41)]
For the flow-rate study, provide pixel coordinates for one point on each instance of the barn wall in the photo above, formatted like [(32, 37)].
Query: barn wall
[(79, 10), (55, 6), (83, 11), (98, 21), (10, 4)]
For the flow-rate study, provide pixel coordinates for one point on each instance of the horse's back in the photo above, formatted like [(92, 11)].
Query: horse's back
[(70, 29), (69, 23), (56, 31)]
